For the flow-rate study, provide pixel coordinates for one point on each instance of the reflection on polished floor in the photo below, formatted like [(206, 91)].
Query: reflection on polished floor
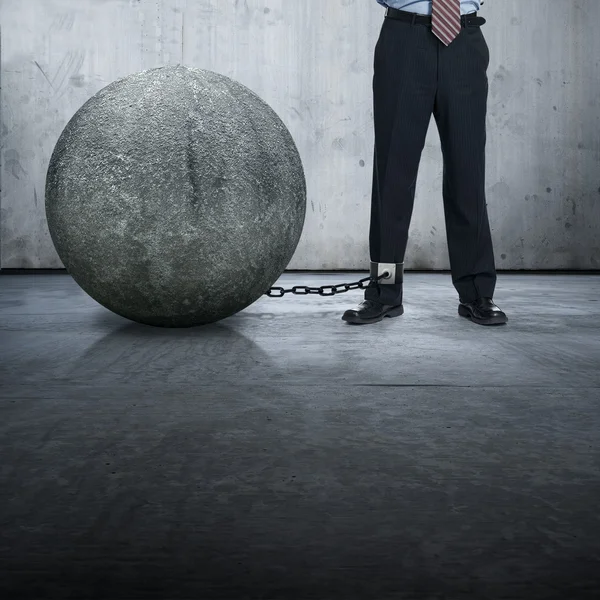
[(282, 453)]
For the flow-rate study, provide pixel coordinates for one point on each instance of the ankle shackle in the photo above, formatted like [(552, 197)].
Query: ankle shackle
[(395, 272)]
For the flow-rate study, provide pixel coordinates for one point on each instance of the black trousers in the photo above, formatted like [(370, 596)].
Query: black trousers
[(415, 76)]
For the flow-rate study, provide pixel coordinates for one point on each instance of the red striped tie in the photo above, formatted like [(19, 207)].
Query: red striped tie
[(445, 20)]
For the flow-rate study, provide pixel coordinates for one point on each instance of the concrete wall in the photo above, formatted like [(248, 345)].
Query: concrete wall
[(311, 60)]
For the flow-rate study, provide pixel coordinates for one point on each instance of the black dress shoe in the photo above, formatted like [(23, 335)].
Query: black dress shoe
[(370, 311), (483, 311)]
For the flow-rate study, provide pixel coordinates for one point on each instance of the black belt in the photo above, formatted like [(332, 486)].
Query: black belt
[(470, 20)]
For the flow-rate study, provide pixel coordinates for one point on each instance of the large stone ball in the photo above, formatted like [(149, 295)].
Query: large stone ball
[(175, 197)]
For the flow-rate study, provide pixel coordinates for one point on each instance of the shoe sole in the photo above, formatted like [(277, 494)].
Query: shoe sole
[(466, 313), (394, 312)]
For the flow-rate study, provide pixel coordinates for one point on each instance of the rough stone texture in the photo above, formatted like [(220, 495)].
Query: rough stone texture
[(312, 61), (175, 197)]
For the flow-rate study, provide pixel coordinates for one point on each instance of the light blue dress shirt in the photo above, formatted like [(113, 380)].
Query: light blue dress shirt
[(423, 7)]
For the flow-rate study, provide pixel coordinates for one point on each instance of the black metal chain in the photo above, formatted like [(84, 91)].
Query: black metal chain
[(324, 290)]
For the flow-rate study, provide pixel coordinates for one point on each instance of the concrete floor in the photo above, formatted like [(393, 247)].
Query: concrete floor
[(282, 453)]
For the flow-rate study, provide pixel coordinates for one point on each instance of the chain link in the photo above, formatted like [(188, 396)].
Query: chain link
[(324, 290)]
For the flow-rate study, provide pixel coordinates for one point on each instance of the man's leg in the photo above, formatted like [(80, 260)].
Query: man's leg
[(460, 113), (404, 85)]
